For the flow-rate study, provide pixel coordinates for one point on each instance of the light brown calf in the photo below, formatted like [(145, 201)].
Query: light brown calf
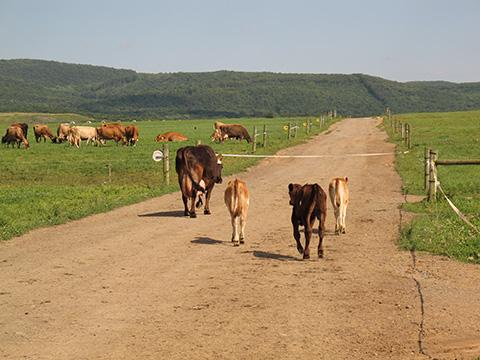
[(171, 136), (339, 196), (237, 200)]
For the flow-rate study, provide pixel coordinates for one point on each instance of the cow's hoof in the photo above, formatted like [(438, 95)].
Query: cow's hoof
[(242, 241), (206, 212), (300, 249), (186, 213), (236, 243), (306, 256), (320, 254), (344, 231), (193, 215)]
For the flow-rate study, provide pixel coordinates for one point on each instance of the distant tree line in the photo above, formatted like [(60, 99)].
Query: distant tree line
[(47, 86)]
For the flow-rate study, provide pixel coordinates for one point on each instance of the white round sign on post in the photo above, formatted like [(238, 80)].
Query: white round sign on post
[(157, 155)]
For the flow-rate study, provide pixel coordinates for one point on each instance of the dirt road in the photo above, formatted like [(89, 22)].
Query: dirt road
[(143, 282)]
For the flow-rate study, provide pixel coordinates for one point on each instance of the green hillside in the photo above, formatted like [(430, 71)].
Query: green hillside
[(48, 86)]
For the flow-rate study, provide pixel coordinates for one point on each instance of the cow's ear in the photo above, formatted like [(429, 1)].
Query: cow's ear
[(346, 179), (290, 187)]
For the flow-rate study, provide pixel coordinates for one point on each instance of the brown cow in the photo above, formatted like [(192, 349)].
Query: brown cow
[(14, 135), (309, 203), (62, 132), (339, 196), (231, 131), (43, 131), (237, 200), (170, 136), (131, 135), (198, 169), (24, 128), (114, 132)]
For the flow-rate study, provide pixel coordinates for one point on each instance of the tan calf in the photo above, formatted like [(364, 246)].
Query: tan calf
[(339, 196), (237, 200)]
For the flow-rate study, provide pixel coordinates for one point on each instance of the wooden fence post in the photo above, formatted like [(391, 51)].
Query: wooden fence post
[(432, 181), (265, 135), (406, 135), (166, 164), (409, 137), (402, 128), (254, 145), (426, 168), (295, 129), (289, 130), (109, 166)]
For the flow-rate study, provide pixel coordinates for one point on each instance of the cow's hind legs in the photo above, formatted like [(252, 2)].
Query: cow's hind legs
[(321, 232), (192, 206), (308, 236), (243, 222), (185, 202), (235, 221), (296, 235), (208, 194)]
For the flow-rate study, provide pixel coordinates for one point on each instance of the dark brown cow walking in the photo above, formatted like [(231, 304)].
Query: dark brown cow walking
[(198, 169), (309, 203)]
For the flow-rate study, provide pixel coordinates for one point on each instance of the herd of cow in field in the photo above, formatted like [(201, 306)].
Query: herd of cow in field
[(17, 134), (199, 168)]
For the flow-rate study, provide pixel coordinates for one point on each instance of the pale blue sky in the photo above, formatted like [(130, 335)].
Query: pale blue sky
[(400, 40)]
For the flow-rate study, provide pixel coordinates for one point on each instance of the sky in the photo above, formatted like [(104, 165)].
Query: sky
[(401, 40)]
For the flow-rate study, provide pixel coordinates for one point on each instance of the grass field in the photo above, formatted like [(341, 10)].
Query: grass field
[(436, 228), (50, 184)]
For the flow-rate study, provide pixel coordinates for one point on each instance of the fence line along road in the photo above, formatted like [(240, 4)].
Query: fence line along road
[(308, 156)]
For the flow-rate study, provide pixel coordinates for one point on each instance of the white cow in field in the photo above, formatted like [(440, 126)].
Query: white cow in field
[(237, 200), (78, 133), (339, 196)]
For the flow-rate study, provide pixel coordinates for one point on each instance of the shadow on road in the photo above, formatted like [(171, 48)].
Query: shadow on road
[(172, 213), (206, 241), (269, 255)]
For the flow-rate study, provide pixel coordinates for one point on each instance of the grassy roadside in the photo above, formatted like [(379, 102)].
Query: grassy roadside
[(50, 184), (436, 228)]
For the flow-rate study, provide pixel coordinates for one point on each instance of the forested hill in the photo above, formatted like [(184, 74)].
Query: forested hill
[(47, 86)]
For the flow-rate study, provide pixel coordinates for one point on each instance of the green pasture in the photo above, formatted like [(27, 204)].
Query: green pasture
[(436, 228), (50, 184)]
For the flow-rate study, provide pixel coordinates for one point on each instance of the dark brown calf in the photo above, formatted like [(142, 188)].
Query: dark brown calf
[(309, 203)]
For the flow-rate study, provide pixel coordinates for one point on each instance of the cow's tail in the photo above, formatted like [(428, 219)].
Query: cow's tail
[(338, 201), (195, 184), (236, 210), (318, 197)]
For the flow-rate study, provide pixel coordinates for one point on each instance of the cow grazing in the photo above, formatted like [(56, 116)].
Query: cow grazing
[(237, 200), (43, 132), (62, 132), (24, 128), (233, 131), (198, 169), (14, 135), (218, 136), (78, 133), (114, 132), (309, 203), (339, 196), (217, 125), (131, 135), (170, 136)]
